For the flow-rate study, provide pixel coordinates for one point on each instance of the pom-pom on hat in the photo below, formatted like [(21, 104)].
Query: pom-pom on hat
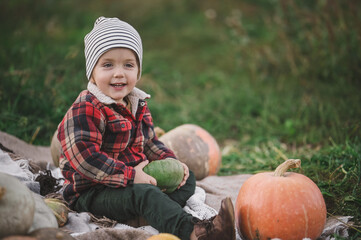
[(109, 33)]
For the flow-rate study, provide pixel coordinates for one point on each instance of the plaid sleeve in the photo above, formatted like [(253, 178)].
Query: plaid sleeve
[(80, 135), (154, 149)]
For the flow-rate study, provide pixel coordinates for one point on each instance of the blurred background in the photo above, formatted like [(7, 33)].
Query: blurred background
[(244, 70), (269, 79)]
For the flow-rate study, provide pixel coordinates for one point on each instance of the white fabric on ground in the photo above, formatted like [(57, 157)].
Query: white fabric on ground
[(202, 204)]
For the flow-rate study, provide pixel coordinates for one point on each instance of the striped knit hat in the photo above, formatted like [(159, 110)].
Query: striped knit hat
[(110, 33)]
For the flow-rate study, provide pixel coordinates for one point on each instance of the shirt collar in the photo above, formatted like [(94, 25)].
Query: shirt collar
[(134, 96)]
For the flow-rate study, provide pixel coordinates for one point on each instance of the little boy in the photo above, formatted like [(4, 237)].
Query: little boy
[(107, 137)]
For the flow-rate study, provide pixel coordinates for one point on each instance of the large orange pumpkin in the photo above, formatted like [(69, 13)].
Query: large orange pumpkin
[(280, 205), (195, 147)]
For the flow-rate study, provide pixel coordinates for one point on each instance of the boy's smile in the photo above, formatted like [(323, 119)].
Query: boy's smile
[(116, 73)]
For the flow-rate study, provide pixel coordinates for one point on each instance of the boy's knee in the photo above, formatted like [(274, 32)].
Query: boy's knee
[(145, 189), (191, 177)]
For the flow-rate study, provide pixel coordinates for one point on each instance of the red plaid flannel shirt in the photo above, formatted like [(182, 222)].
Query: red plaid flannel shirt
[(101, 144)]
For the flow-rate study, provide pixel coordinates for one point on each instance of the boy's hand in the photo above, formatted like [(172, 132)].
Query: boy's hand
[(186, 175), (141, 176)]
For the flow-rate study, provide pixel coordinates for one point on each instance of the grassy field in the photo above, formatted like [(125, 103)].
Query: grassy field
[(268, 79)]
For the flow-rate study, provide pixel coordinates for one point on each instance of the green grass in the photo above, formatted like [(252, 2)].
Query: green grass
[(274, 78)]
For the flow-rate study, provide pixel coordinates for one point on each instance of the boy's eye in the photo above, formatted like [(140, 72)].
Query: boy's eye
[(129, 65), (107, 65)]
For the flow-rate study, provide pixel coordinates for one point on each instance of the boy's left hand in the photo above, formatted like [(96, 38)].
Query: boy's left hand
[(186, 175)]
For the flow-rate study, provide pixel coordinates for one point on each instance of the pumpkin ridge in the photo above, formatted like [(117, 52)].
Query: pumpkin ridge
[(306, 220), (213, 153)]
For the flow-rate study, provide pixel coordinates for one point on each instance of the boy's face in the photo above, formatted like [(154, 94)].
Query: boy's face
[(116, 73)]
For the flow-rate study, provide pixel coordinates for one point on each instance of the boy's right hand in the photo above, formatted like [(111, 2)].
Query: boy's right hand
[(141, 176)]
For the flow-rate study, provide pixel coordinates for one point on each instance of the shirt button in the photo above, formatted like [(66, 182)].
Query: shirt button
[(142, 104), (123, 125)]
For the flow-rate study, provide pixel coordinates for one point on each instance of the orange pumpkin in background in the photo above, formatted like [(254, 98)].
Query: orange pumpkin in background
[(280, 205), (195, 147)]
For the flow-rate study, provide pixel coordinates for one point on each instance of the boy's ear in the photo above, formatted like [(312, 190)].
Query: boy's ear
[(139, 74), (92, 80)]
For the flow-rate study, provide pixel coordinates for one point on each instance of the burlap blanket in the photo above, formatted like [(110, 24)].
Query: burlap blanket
[(206, 201)]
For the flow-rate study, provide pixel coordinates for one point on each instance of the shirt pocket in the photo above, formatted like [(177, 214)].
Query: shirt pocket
[(117, 136)]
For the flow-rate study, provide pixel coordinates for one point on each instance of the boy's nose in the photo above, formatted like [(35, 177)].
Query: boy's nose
[(118, 73)]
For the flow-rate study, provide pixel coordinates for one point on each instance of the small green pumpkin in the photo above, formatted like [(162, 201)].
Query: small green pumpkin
[(169, 173)]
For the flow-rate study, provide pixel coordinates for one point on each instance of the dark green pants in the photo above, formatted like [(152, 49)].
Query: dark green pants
[(162, 211)]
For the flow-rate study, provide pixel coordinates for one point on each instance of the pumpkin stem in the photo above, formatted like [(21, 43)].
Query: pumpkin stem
[(285, 166), (2, 192)]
